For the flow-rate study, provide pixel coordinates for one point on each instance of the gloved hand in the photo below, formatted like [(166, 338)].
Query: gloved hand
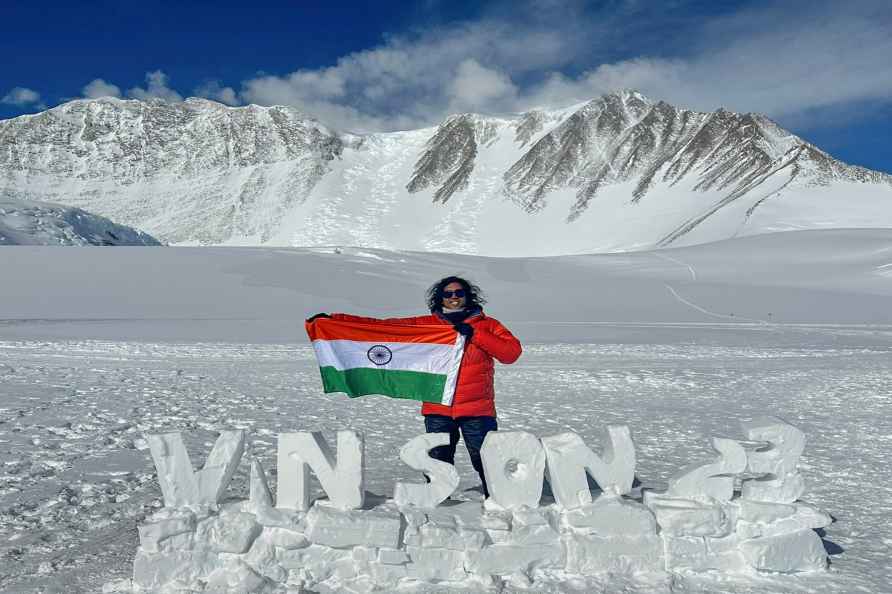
[(464, 329), (317, 316)]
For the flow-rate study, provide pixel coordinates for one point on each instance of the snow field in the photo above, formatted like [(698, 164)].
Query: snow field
[(99, 348), (71, 500)]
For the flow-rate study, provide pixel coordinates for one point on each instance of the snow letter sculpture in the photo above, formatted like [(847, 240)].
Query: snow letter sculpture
[(180, 484), (443, 477), (341, 476), (704, 526), (569, 459), (514, 466), (781, 482), (200, 543)]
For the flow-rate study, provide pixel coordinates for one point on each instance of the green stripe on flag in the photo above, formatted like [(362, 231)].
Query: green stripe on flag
[(360, 381)]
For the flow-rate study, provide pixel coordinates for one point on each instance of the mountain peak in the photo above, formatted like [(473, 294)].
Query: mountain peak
[(619, 171)]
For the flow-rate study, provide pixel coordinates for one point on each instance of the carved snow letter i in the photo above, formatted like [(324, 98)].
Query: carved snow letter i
[(569, 459), (443, 477), (180, 483), (341, 476), (514, 466)]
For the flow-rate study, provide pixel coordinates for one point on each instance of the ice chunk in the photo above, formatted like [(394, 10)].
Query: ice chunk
[(341, 476), (569, 459), (152, 571), (387, 574), (260, 496), (533, 534), (346, 528), (703, 554), (262, 558), (591, 554), (688, 517), (712, 480), (505, 559), (392, 556), (180, 484), (436, 564), (611, 516), (787, 553), (317, 562), (453, 538), (443, 477), (230, 533), (762, 512), (803, 517), (514, 466), (285, 538), (781, 482), (235, 577), (151, 534)]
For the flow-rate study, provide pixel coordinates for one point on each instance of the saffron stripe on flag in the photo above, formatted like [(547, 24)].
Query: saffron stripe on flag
[(396, 384), (328, 329)]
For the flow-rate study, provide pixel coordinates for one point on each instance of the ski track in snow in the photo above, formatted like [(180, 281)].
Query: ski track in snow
[(75, 477)]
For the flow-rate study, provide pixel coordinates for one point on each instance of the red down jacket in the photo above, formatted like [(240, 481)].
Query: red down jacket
[(474, 393)]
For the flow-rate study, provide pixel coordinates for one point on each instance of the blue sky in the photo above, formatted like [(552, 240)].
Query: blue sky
[(821, 68)]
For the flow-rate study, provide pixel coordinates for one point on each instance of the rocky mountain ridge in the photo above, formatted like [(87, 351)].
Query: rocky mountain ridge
[(615, 173)]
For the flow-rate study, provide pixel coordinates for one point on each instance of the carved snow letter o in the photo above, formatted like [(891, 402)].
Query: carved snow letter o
[(514, 466)]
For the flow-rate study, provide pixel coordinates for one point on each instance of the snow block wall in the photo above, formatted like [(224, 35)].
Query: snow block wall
[(738, 513)]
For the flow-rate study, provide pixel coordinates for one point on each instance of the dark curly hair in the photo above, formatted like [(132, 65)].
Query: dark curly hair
[(473, 294)]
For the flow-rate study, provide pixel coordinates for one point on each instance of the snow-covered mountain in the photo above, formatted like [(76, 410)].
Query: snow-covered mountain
[(26, 222), (619, 172)]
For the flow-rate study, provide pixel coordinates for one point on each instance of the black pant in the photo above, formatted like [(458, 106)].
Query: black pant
[(473, 431)]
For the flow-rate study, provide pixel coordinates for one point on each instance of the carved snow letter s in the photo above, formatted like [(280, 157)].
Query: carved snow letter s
[(180, 483), (569, 459), (341, 475), (443, 477)]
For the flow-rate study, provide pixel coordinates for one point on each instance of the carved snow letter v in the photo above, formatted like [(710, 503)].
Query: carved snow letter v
[(180, 483), (569, 459)]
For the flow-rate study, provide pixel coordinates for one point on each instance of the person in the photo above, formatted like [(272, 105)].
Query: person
[(456, 301)]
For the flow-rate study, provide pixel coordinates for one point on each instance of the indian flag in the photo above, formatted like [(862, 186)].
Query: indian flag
[(400, 361)]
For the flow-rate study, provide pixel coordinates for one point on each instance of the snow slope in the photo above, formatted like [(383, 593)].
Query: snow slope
[(100, 347), (620, 172), (258, 294), (24, 222)]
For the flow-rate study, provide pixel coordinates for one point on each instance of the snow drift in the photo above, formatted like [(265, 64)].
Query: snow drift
[(25, 222)]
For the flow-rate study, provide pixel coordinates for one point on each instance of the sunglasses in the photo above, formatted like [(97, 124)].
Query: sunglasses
[(457, 293)]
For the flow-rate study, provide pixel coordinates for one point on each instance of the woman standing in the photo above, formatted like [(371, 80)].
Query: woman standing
[(454, 300)]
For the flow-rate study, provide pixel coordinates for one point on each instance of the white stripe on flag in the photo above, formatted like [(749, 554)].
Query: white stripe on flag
[(407, 356)]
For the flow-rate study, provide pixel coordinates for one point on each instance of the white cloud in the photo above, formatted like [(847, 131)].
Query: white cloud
[(771, 61), (475, 87), (214, 90), (21, 97), (99, 88), (791, 60), (788, 60), (156, 88), (415, 81)]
